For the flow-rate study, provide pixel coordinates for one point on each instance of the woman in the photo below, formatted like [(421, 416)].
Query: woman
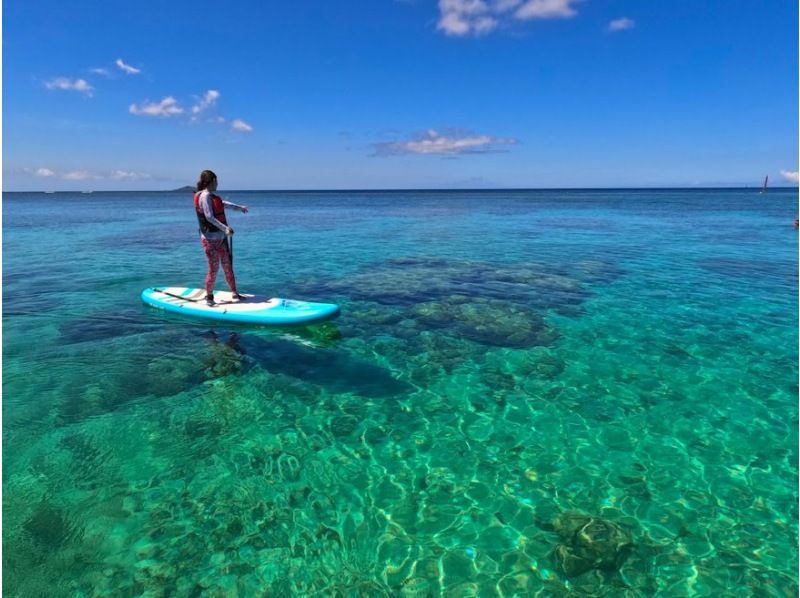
[(214, 230)]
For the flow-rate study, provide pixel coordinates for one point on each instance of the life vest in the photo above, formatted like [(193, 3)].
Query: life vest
[(216, 206)]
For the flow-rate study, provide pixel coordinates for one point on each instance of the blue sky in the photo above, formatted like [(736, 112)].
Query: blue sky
[(399, 94)]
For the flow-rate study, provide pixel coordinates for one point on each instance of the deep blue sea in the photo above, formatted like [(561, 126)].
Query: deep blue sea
[(528, 393)]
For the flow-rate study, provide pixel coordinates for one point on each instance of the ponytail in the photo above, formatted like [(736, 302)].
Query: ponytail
[(206, 178)]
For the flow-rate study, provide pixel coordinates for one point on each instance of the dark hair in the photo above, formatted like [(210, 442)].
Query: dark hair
[(206, 178)]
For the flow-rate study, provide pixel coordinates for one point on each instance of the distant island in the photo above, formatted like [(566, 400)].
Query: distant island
[(184, 189)]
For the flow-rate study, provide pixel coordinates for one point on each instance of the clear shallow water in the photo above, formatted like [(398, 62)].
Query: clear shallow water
[(556, 393)]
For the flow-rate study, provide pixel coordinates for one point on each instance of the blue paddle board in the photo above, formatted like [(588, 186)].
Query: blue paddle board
[(252, 309)]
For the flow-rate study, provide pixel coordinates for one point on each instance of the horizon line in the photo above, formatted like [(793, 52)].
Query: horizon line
[(408, 189)]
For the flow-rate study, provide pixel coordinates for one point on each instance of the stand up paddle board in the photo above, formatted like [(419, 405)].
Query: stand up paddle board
[(252, 309)]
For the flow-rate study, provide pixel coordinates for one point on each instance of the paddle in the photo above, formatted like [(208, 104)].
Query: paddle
[(176, 296)]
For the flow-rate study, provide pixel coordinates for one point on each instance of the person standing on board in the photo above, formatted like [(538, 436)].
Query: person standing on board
[(214, 233)]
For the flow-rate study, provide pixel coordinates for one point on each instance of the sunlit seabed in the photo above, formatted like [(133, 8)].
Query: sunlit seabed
[(527, 394)]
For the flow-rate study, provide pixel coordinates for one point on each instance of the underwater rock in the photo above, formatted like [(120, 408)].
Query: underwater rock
[(166, 376), (429, 356), (411, 280), (343, 425), (374, 315), (747, 268), (495, 304), (49, 527), (488, 322), (596, 271), (404, 513), (416, 587), (96, 390), (375, 435), (39, 295), (197, 427), (457, 567), (590, 543), (102, 326), (354, 406), (548, 367), (224, 356)]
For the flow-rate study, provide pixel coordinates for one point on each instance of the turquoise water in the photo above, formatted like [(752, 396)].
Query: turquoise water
[(528, 393)]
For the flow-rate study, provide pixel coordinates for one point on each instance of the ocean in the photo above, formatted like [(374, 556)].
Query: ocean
[(527, 393)]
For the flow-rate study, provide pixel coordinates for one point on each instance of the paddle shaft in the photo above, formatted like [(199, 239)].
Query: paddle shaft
[(176, 296)]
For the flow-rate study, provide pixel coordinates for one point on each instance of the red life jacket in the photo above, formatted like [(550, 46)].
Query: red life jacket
[(219, 213)]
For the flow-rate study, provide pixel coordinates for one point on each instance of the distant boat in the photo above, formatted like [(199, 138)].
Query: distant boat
[(764, 188)]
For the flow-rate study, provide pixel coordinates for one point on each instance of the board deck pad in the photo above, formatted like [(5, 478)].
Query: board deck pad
[(253, 309)]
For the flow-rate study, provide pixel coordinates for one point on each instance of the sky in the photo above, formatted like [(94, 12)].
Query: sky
[(383, 94)]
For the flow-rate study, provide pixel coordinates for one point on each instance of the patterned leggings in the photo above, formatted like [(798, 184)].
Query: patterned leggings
[(216, 252)]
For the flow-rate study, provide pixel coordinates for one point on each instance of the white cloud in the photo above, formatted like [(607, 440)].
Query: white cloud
[(621, 24), (70, 85), (478, 17), (101, 71), (239, 125), (77, 175), (166, 108), (207, 101), (170, 107), (83, 175), (433, 142), (127, 175), (546, 9), (462, 17), (505, 5), (791, 175), (127, 68)]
